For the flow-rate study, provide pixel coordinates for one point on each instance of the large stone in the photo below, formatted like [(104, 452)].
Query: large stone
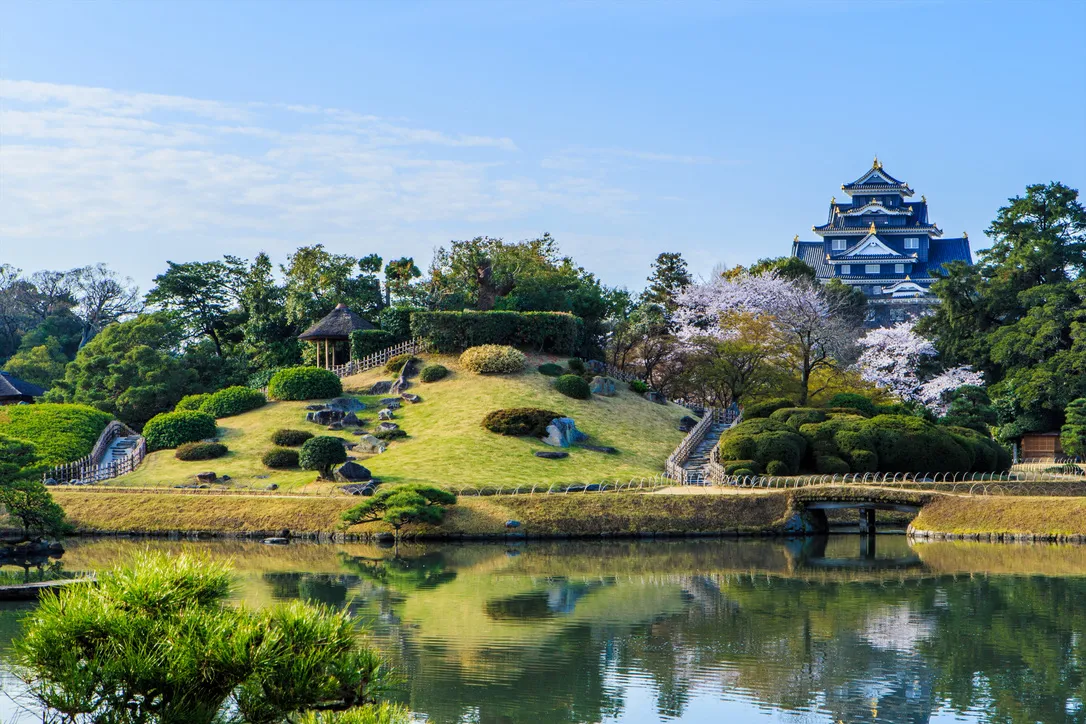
[(371, 445), (408, 397), (347, 404), (385, 414), (551, 454), (603, 386), (325, 416), (563, 432), (360, 488), (336, 426), (595, 366), (352, 472), (381, 388), (350, 419), (387, 426), (658, 397), (392, 403), (687, 423), (315, 407), (206, 477)]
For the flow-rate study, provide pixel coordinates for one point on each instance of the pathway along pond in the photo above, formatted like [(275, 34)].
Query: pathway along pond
[(691, 631)]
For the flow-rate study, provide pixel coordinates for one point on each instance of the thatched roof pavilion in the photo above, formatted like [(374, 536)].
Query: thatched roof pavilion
[(336, 327), (13, 390)]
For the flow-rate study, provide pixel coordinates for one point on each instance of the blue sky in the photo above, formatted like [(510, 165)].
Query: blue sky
[(136, 132)]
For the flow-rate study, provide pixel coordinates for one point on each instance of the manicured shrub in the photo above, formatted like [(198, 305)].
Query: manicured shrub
[(192, 402), (304, 383), (831, 465), (786, 448), (260, 380), (233, 401), (863, 461), (286, 437), (281, 457), (573, 386), (493, 359), (796, 416), (433, 373), (550, 369), (735, 466), (744, 473), (576, 366), (395, 364), (389, 435), (777, 467), (553, 332), (520, 421), (322, 454), (639, 387), (200, 451), (171, 429), (60, 433), (365, 342), (766, 407), (864, 405), (397, 321)]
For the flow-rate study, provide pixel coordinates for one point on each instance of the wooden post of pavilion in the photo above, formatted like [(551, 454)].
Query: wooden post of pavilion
[(336, 327)]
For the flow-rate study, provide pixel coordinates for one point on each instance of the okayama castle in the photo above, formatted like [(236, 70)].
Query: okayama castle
[(882, 242)]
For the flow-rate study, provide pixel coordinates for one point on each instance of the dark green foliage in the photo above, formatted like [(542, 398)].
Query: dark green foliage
[(281, 457), (193, 403), (433, 373), (863, 461), (573, 386), (576, 366), (778, 467), (16, 459), (322, 454), (639, 387), (969, 406), (910, 444), (29, 502), (743, 472), (365, 342), (200, 451), (201, 297), (553, 332), (260, 380), (402, 504), (766, 407), (233, 401), (550, 369), (496, 359), (60, 433), (865, 406), (397, 321), (390, 435), (304, 383), (733, 467), (520, 421), (784, 448), (395, 364), (171, 429), (290, 438), (796, 416), (1073, 433), (830, 465)]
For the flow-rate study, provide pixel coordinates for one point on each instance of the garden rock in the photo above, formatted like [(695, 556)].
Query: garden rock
[(512, 524), (276, 541), (606, 449), (595, 366), (347, 404), (551, 454), (392, 403), (225, 478), (387, 426), (360, 489), (687, 423), (315, 407), (206, 477), (603, 386), (411, 398), (563, 432), (325, 416), (336, 426), (352, 472), (385, 414), (658, 397), (358, 432), (271, 486), (350, 419), (371, 444)]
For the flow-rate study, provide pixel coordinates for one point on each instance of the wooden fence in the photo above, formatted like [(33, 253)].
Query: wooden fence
[(89, 468), (378, 359)]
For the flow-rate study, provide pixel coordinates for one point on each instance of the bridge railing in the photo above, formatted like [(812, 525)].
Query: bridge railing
[(89, 468)]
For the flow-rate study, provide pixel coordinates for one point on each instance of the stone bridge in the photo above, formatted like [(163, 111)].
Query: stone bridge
[(811, 506)]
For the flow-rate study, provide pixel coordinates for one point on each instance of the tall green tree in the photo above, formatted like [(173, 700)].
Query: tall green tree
[(317, 280), (670, 276), (203, 296), (399, 276), (270, 337)]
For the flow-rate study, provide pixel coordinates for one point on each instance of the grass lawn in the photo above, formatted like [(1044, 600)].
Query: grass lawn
[(447, 444), (1012, 514)]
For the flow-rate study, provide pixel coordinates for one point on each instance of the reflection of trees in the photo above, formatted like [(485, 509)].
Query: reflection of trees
[(403, 574), (326, 588)]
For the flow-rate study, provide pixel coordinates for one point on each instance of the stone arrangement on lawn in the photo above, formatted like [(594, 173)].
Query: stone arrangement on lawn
[(563, 432), (551, 454), (352, 472), (604, 386), (385, 414)]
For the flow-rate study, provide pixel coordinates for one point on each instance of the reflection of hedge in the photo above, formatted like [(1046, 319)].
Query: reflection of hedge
[(233, 401), (793, 440), (365, 342), (304, 383), (171, 429), (554, 332)]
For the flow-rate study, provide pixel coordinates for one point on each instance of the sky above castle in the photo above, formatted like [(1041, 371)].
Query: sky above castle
[(136, 132)]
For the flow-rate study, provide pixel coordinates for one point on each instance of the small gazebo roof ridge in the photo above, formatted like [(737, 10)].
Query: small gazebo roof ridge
[(339, 324), (11, 387)]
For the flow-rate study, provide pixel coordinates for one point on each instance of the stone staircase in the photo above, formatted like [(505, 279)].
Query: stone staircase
[(699, 457), (120, 449)]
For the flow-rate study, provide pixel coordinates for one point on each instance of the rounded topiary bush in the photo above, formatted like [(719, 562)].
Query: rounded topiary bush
[(639, 387), (520, 421), (170, 429), (735, 466), (493, 359), (395, 364), (830, 465), (281, 457), (192, 402), (744, 473), (304, 383), (322, 454), (796, 416), (576, 366), (388, 435), (290, 438), (865, 406), (766, 407), (777, 467), (863, 461), (433, 373), (550, 369), (573, 386), (200, 451), (259, 380), (233, 401)]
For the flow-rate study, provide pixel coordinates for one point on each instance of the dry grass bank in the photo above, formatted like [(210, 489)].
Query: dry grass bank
[(1019, 515)]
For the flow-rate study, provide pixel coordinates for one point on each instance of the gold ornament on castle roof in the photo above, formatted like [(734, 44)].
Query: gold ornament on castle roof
[(924, 198), (871, 230), (965, 234), (876, 164), (910, 209), (908, 278), (795, 238)]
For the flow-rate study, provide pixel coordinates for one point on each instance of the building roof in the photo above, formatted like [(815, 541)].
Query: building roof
[(942, 251), (12, 387), (876, 180), (339, 324), (814, 254)]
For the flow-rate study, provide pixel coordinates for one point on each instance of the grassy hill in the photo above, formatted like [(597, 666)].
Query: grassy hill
[(447, 444), (61, 433)]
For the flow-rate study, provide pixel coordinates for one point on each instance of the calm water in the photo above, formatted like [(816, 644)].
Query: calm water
[(706, 631)]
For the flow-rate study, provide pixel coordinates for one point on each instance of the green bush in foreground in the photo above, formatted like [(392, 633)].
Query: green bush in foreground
[(281, 457), (520, 421), (290, 438), (576, 366), (389, 435), (573, 386), (192, 403), (638, 386), (550, 369), (433, 373), (304, 383), (493, 359), (171, 429), (233, 401), (402, 504), (158, 640), (322, 454), (200, 451)]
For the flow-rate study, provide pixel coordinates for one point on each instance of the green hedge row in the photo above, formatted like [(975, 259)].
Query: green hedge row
[(365, 342), (553, 332), (172, 429), (59, 432), (304, 383), (232, 401)]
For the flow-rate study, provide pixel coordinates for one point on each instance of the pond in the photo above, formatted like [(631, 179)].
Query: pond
[(814, 630)]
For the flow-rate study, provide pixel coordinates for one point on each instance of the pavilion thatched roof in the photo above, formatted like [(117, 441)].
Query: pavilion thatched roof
[(339, 324), (12, 388)]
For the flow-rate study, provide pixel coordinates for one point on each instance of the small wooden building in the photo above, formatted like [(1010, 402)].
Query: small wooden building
[(333, 329), (14, 391), (1041, 446)]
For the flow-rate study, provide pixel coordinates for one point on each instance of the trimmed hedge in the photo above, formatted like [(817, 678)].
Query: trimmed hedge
[(573, 386), (233, 401), (192, 402), (852, 400), (304, 383), (766, 407), (395, 364), (554, 332), (397, 321), (60, 433), (576, 366), (200, 451), (831, 465), (365, 342), (389, 435), (172, 429), (281, 457), (433, 373), (322, 454), (520, 421), (493, 359), (639, 387), (286, 437), (550, 369)]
